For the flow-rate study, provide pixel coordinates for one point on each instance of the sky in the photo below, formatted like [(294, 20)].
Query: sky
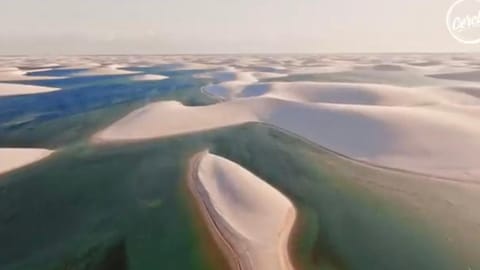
[(225, 26)]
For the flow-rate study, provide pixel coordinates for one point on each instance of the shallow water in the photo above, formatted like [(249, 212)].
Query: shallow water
[(124, 206), (87, 201)]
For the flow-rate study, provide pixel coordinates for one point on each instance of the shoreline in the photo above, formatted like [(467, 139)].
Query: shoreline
[(379, 139), (96, 139), (208, 220), (213, 253), (367, 163), (223, 239)]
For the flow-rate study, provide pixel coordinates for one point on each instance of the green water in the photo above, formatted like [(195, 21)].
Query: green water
[(122, 207)]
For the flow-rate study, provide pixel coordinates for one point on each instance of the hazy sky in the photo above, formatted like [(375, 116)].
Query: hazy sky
[(224, 26)]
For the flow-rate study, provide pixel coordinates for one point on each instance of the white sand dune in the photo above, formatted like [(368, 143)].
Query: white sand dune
[(14, 158), (224, 76), (253, 218), (12, 74), (231, 74), (233, 89), (435, 141), (432, 131), (11, 89), (327, 68), (343, 93), (105, 70), (149, 77), (78, 65), (138, 124)]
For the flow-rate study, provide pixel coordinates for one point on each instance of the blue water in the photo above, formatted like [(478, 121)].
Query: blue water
[(82, 94)]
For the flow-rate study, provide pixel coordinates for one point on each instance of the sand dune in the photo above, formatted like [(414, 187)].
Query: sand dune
[(435, 141), (224, 76), (233, 89), (343, 93), (14, 158), (149, 77), (105, 70), (432, 131), (12, 74), (319, 69), (252, 219), (137, 125), (231, 74), (10, 89)]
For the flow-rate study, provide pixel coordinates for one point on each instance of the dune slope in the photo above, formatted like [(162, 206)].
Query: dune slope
[(440, 139), (11, 89), (14, 158), (252, 218)]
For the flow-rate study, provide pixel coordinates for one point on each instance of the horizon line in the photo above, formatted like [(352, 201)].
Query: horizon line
[(235, 53)]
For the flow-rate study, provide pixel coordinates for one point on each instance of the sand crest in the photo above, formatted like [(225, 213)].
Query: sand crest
[(251, 220)]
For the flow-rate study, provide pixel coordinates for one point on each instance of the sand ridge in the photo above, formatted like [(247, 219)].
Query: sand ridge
[(430, 130), (343, 93), (250, 219)]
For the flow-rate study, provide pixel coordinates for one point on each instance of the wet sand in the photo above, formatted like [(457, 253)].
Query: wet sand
[(215, 256)]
